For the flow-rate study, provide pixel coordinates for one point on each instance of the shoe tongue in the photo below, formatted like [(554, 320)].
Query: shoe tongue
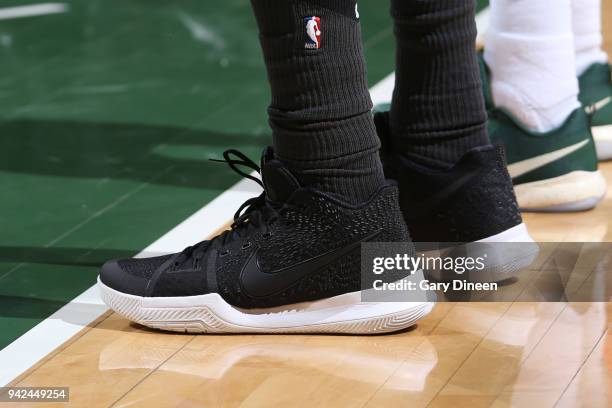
[(278, 181)]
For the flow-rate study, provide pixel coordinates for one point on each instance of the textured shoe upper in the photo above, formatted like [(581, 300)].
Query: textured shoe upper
[(534, 156), (596, 94), (289, 245), (472, 200)]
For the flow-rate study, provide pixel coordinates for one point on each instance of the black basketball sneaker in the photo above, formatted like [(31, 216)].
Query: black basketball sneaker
[(464, 210), (289, 263)]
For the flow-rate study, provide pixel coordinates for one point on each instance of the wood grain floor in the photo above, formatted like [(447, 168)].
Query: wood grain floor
[(463, 354)]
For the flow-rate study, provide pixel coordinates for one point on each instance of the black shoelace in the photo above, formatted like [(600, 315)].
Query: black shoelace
[(254, 214)]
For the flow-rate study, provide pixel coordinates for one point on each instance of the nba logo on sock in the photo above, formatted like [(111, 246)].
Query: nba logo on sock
[(313, 33)]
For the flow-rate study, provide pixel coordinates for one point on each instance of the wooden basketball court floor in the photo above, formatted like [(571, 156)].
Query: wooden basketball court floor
[(463, 354)]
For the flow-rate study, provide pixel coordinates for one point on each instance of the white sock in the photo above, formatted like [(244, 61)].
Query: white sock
[(530, 50), (586, 24)]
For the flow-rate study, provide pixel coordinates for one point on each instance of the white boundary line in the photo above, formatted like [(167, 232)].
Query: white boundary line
[(382, 91), (482, 24), (52, 332), (8, 13)]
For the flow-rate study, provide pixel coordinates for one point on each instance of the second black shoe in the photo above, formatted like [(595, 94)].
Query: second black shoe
[(289, 263), (453, 208)]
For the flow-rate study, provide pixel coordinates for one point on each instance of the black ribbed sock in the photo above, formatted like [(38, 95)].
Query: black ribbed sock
[(438, 109), (320, 110)]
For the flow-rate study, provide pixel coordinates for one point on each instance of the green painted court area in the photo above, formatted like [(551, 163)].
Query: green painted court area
[(109, 113)]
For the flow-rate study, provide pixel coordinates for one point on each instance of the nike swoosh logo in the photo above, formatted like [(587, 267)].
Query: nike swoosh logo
[(525, 166), (258, 283), (598, 105), (422, 208)]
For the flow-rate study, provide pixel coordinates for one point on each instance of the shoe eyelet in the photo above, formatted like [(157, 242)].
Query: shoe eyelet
[(224, 253), (246, 246)]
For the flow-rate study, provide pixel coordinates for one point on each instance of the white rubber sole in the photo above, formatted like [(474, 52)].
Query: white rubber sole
[(574, 191), (211, 314), (518, 233), (603, 141), (505, 254)]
